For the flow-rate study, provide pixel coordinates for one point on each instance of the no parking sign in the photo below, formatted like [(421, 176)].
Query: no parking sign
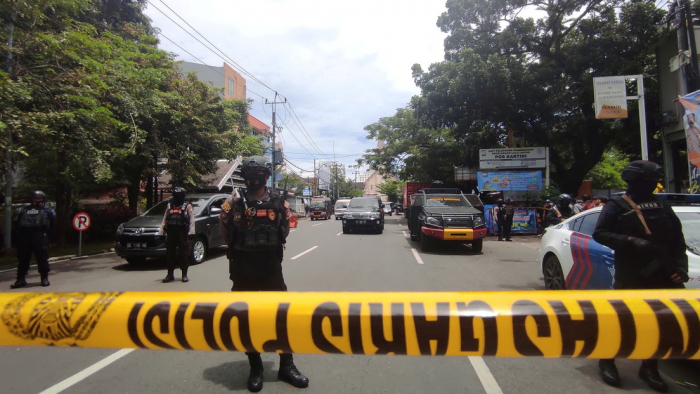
[(81, 221)]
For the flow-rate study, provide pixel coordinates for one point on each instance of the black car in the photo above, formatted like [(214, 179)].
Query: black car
[(398, 207), (364, 213), (446, 215), (138, 238)]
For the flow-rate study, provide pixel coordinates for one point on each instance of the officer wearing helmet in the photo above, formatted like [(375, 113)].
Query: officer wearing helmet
[(35, 223), (255, 224), (650, 250), (179, 225), (560, 211)]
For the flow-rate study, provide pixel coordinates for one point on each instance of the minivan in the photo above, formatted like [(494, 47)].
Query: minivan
[(364, 213)]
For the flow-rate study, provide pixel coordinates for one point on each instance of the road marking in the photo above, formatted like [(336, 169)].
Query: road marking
[(485, 375), (415, 254), (85, 373), (303, 253), (338, 233), (316, 225), (404, 234), (291, 231)]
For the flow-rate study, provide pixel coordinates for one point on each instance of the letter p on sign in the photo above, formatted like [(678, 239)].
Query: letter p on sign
[(81, 221)]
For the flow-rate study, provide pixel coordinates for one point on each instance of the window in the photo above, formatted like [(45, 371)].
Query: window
[(588, 223), (231, 87)]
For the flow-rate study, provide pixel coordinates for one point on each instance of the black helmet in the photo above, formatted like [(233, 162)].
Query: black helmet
[(38, 194), (639, 169), (255, 163), (563, 199), (585, 197), (499, 201), (177, 190)]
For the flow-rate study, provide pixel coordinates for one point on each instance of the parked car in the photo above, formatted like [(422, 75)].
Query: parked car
[(387, 210), (364, 213), (340, 207), (138, 238), (571, 259), (398, 207)]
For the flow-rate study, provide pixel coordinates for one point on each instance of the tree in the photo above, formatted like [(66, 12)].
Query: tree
[(606, 174), (393, 189)]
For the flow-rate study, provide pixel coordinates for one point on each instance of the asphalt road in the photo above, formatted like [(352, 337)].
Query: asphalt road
[(318, 257)]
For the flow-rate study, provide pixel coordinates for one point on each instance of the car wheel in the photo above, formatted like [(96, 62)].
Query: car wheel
[(198, 250), (426, 243), (135, 260), (477, 245), (553, 275)]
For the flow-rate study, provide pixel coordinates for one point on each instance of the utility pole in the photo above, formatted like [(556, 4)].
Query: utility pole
[(274, 130), (8, 153)]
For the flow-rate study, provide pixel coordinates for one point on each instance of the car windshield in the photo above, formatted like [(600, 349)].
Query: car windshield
[(198, 204), (452, 200), (341, 205), (317, 205), (691, 230), (363, 203)]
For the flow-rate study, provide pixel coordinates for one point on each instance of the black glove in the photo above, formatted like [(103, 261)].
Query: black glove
[(642, 246), (682, 274)]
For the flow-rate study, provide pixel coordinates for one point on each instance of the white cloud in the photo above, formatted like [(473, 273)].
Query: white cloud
[(342, 65)]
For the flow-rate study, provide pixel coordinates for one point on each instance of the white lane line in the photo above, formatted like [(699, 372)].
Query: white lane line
[(314, 225), (303, 253), (485, 375), (415, 254), (291, 231), (404, 234), (85, 373), (338, 233)]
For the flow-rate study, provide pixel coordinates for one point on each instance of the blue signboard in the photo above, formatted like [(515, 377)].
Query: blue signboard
[(510, 181), (306, 192)]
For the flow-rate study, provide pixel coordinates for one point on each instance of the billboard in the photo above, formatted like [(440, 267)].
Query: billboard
[(530, 181), (610, 97), (491, 159), (691, 104)]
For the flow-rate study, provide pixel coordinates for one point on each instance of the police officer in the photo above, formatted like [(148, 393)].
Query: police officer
[(499, 214), (255, 223), (650, 250), (178, 224), (35, 224), (560, 211)]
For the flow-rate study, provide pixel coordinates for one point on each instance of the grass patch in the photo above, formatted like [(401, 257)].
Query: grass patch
[(72, 250)]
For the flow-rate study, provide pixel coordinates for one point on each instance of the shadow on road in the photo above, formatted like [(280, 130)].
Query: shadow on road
[(234, 375)]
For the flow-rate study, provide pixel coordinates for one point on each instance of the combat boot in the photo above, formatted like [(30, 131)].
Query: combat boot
[(608, 371), (45, 280), (184, 276), (649, 373), (255, 379), (169, 277), (20, 282), (289, 373)]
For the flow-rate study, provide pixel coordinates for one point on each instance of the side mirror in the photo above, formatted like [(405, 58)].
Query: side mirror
[(214, 211)]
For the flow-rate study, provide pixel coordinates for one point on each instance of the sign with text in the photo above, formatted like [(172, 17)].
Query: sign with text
[(610, 97), (490, 181), (491, 159)]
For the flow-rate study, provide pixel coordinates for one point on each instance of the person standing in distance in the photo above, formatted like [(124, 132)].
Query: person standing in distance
[(35, 224), (178, 226), (499, 213), (508, 213), (650, 250), (255, 225), (561, 211)]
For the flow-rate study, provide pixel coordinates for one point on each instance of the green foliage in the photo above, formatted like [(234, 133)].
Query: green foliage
[(606, 174), (393, 189)]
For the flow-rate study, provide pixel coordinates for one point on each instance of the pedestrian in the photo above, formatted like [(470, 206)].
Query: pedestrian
[(35, 224), (504, 219), (178, 226), (561, 211), (255, 226), (597, 201), (583, 205), (306, 210), (650, 250)]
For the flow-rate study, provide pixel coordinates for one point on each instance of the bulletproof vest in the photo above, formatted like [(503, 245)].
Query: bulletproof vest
[(655, 215), (258, 226), (177, 217), (35, 218)]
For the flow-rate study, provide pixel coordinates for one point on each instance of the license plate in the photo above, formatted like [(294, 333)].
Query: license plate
[(361, 221), (136, 245)]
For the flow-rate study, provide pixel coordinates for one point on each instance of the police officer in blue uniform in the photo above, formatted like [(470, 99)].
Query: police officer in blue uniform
[(255, 223), (650, 250), (35, 224), (179, 226)]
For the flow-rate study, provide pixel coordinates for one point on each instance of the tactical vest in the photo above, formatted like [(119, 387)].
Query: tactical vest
[(258, 226), (655, 215), (508, 210), (34, 218), (177, 217)]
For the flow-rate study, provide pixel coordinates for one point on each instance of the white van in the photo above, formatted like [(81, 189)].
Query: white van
[(340, 207)]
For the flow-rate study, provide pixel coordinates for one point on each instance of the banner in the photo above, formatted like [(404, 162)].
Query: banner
[(584, 323), (690, 103), (490, 159), (610, 97), (491, 181), (524, 220)]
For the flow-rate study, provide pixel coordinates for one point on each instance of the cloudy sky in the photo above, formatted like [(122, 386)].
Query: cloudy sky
[(341, 65)]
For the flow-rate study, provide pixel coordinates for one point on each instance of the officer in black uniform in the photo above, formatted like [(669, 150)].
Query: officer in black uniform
[(35, 224), (561, 211), (650, 250), (500, 217), (179, 225), (255, 223)]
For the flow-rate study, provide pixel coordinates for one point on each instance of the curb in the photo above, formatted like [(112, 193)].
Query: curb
[(68, 257)]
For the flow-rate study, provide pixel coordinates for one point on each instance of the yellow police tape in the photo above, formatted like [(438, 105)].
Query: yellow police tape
[(593, 324)]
